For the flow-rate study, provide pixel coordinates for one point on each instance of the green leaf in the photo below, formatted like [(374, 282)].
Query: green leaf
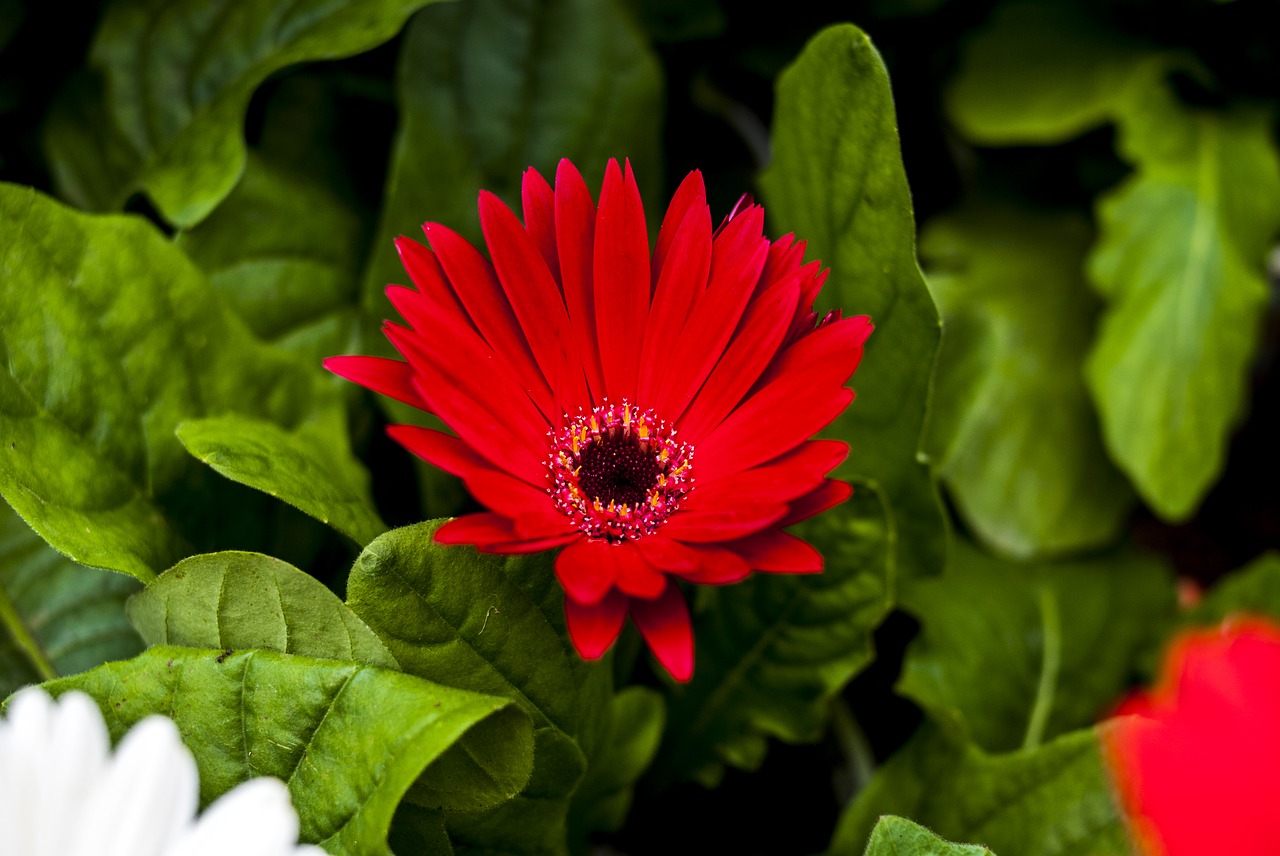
[(1017, 654), (495, 625), (773, 650), (837, 181), (1013, 428), (624, 751), (1041, 73), (419, 831), (1180, 263), (302, 467), (1252, 590), (488, 88), (284, 252), (349, 740), (109, 338), (896, 836), (247, 600), (1054, 800), (167, 115), (56, 617)]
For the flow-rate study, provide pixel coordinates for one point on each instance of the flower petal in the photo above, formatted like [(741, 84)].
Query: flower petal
[(831, 494), (691, 195), (620, 271), (594, 627), (392, 378), (723, 523), (575, 239), (775, 551), (255, 818), (539, 205), (636, 575), (587, 569), (664, 624)]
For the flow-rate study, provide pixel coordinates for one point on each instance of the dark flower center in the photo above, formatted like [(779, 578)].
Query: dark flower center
[(615, 469)]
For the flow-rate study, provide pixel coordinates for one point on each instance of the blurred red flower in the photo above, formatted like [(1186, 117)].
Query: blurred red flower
[(650, 414), (1196, 763)]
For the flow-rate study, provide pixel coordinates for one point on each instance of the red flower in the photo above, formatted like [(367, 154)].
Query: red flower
[(650, 414), (1196, 765)]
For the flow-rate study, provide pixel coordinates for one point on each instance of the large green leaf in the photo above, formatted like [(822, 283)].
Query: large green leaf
[(488, 88), (1054, 800), (167, 114), (1180, 262), (1017, 654), (303, 467), (896, 836), (1013, 428), (247, 600), (284, 252), (109, 339), (837, 181), (627, 744), (773, 650), (349, 740), (495, 625), (1043, 73), (56, 617)]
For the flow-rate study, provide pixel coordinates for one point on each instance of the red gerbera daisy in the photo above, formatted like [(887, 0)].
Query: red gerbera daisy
[(648, 413), (1196, 763)]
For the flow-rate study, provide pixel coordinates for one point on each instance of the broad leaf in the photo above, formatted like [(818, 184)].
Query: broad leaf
[(310, 467), (495, 625), (1017, 654), (773, 650), (1013, 428), (247, 600), (837, 181), (284, 252), (110, 338), (56, 617), (418, 831), (896, 836), (1043, 73), (489, 88), (349, 740), (1051, 801), (626, 747), (167, 114), (1180, 262)]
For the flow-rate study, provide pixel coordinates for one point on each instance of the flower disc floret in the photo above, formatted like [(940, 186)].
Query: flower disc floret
[(618, 472)]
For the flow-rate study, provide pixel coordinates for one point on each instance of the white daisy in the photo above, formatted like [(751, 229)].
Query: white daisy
[(63, 792)]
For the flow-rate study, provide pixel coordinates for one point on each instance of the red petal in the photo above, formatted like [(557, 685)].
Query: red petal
[(664, 624), (831, 494), (392, 378), (594, 627), (706, 564), (587, 570), (575, 239), (479, 291), (438, 449), (691, 194), (724, 523), (683, 277), (776, 551), (765, 323), (537, 302), (737, 257), (540, 217), (783, 479), (532, 509), (621, 276), (429, 278), (636, 575), (493, 533)]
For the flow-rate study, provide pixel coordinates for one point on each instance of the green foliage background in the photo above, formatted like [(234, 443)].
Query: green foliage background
[(1069, 402)]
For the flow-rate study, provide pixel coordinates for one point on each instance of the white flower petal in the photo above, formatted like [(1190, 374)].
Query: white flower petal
[(256, 818), (147, 797), (74, 761)]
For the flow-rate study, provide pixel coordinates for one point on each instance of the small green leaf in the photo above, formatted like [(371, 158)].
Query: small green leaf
[(1054, 800), (302, 467), (1017, 654), (1180, 262), (1013, 428), (495, 625), (624, 751), (774, 649), (284, 252), (896, 836), (488, 88), (1041, 73), (349, 740), (109, 338), (247, 600), (56, 617), (837, 181), (167, 115)]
